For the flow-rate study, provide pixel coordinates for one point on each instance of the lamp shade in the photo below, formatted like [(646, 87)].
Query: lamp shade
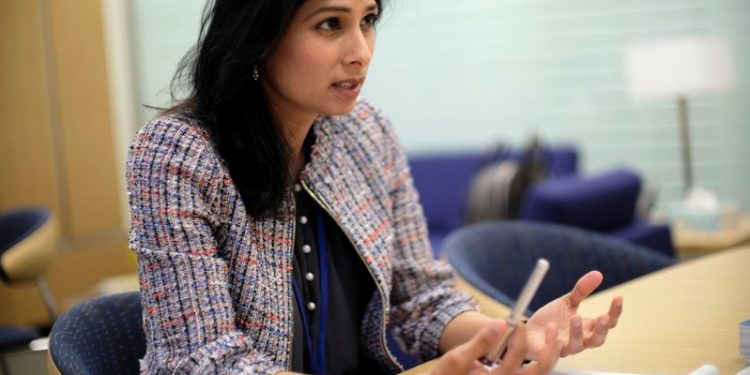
[(678, 67)]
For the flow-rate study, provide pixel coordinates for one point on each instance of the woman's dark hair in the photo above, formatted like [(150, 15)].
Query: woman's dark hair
[(235, 36)]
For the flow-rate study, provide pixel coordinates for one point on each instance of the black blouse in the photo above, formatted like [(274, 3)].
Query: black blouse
[(350, 288)]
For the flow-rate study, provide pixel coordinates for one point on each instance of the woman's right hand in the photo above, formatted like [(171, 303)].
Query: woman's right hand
[(463, 359)]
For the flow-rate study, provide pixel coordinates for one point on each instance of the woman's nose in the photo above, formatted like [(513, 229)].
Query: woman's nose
[(359, 48)]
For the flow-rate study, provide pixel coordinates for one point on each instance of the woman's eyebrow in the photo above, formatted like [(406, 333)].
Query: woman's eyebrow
[(338, 9)]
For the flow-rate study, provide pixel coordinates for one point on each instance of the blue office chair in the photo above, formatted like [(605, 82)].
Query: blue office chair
[(605, 203), (101, 336), (497, 258), (27, 245), (105, 336)]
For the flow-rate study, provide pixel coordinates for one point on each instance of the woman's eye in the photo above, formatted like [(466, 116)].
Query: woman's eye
[(330, 24), (370, 20)]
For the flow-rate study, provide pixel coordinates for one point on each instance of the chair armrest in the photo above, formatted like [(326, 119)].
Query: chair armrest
[(601, 203)]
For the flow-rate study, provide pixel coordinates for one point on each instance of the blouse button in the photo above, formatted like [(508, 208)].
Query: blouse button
[(306, 249), (303, 219), (311, 306), (309, 276)]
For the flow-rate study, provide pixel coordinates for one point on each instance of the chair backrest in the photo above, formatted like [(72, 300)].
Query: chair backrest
[(443, 178), (443, 182), (497, 258), (27, 243), (101, 336), (602, 202)]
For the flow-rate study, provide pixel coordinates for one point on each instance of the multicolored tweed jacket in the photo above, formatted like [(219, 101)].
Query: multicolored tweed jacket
[(216, 284)]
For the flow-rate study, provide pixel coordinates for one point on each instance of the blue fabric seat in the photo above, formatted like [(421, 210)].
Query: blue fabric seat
[(105, 336), (101, 336), (605, 202), (443, 180), (27, 236), (497, 258), (16, 337)]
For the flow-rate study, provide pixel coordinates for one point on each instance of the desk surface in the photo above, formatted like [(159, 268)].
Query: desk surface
[(697, 243), (674, 320)]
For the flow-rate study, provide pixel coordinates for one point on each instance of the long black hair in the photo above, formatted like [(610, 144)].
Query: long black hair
[(235, 36)]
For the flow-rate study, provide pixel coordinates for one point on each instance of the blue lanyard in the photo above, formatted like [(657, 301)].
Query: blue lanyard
[(317, 358)]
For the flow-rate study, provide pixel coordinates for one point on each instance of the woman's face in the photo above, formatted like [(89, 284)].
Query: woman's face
[(320, 63)]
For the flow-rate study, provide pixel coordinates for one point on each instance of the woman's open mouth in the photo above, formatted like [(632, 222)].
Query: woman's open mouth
[(348, 88)]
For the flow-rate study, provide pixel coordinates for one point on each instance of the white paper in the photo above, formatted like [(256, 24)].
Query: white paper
[(582, 372)]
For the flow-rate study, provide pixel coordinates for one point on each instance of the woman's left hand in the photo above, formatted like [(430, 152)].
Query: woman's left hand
[(575, 333)]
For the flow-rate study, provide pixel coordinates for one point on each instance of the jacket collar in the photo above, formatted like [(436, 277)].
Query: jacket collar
[(340, 183)]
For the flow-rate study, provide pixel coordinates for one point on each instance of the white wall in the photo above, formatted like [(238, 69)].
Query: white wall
[(468, 74), (163, 31)]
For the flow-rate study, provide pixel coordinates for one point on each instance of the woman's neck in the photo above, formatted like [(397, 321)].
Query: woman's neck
[(294, 123), (295, 132)]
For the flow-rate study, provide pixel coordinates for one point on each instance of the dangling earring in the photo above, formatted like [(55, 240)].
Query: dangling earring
[(256, 75)]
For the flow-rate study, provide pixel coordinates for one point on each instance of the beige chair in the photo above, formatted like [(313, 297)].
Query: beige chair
[(28, 239)]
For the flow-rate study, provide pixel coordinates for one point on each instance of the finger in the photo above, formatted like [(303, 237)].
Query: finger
[(584, 287), (548, 356), (575, 337), (462, 359), (615, 310), (599, 334), (484, 341), (514, 357), (476, 368), (454, 363)]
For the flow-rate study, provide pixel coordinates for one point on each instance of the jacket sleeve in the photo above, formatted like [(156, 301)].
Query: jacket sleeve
[(174, 182), (423, 298)]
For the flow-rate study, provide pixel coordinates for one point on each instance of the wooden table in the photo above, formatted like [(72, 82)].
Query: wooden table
[(677, 319), (674, 320), (691, 243)]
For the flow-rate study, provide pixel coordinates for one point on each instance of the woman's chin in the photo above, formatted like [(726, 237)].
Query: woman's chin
[(340, 110)]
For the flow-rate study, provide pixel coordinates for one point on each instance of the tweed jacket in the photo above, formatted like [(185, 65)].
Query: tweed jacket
[(216, 284)]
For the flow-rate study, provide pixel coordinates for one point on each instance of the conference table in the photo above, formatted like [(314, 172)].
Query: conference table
[(674, 320)]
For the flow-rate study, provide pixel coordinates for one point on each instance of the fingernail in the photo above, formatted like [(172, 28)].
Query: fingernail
[(576, 323)]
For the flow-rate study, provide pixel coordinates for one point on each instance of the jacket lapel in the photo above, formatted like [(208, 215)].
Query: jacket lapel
[(338, 176)]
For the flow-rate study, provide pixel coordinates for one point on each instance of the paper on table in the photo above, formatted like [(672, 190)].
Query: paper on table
[(582, 372), (703, 370)]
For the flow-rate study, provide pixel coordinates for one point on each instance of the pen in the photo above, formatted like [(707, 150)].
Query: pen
[(522, 303)]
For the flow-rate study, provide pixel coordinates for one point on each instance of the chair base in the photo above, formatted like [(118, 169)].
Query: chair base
[(23, 362), (15, 337)]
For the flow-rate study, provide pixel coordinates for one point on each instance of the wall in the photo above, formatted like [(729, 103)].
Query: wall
[(57, 142), (162, 33), (469, 74), (502, 70)]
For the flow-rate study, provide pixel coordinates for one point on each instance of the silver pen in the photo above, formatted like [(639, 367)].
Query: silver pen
[(522, 303)]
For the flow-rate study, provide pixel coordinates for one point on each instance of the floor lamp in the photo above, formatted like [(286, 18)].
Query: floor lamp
[(680, 68)]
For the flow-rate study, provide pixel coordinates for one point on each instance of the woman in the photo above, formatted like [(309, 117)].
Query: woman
[(276, 224)]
